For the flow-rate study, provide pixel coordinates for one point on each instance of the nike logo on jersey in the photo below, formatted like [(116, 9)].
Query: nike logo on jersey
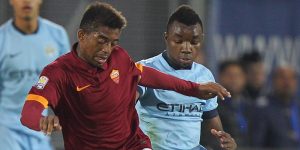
[(78, 89)]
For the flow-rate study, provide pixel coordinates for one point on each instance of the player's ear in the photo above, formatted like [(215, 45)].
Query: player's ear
[(80, 35), (165, 35)]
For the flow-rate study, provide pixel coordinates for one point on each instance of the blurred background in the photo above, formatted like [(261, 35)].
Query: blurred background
[(251, 46)]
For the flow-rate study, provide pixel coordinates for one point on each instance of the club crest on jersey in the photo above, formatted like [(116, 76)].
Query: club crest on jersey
[(42, 82), (50, 50), (115, 76)]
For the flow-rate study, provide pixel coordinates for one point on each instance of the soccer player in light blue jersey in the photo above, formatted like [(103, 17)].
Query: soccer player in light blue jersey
[(27, 44), (171, 120)]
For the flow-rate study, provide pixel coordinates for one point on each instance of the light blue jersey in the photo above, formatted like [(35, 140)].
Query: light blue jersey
[(172, 120), (22, 57)]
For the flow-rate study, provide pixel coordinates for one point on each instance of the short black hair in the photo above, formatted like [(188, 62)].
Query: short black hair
[(228, 63), (250, 58), (186, 15), (98, 14)]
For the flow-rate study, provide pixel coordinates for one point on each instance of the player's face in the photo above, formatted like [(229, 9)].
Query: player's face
[(26, 9), (183, 42), (233, 79), (96, 47)]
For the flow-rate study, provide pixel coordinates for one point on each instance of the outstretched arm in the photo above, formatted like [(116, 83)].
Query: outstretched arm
[(45, 93), (158, 80)]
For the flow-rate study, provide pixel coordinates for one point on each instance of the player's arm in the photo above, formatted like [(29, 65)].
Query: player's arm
[(43, 94), (33, 119), (158, 80), (213, 128)]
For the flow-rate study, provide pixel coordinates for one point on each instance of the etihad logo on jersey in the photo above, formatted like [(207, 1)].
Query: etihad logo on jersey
[(192, 110), (42, 82), (115, 76)]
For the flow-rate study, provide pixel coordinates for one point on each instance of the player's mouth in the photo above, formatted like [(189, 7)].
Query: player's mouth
[(101, 59), (185, 60), (27, 8)]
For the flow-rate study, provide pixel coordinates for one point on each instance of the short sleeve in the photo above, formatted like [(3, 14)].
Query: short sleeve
[(211, 103), (47, 90)]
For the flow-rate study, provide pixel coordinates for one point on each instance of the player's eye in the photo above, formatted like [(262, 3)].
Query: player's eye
[(178, 41), (102, 40)]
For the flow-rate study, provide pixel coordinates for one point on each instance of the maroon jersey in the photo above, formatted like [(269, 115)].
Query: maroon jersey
[(95, 107)]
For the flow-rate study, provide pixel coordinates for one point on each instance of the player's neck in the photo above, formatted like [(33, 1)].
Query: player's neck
[(173, 64), (26, 26)]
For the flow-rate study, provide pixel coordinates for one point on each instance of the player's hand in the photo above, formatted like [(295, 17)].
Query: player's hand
[(49, 124), (211, 90), (226, 141)]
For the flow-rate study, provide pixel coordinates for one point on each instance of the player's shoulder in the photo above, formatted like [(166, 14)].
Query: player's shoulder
[(4, 33), (199, 68), (59, 65), (151, 61), (49, 25), (5, 26)]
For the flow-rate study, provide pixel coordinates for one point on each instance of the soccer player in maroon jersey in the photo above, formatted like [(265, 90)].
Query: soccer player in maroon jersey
[(92, 89)]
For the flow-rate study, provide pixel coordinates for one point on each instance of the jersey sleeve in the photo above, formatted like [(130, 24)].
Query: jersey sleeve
[(43, 94), (141, 89), (47, 90), (212, 103)]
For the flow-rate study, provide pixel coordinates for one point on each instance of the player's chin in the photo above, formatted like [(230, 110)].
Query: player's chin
[(99, 65), (185, 63), (95, 64)]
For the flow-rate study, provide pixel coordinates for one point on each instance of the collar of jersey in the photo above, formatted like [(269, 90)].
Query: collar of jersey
[(165, 60), (79, 63), (23, 33)]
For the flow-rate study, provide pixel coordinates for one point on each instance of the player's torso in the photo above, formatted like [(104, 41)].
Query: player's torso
[(100, 92), (170, 104), (22, 59), (99, 104), (170, 119)]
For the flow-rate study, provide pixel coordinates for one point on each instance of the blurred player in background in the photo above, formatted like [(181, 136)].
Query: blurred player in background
[(277, 125), (235, 112), (254, 67), (171, 120), (93, 89), (27, 44)]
